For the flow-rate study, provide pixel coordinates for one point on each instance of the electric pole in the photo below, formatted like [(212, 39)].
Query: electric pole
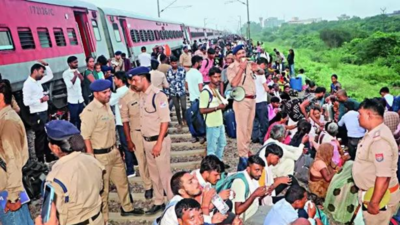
[(158, 8), (248, 20)]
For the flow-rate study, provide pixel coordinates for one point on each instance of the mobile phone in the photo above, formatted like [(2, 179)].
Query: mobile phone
[(48, 198)]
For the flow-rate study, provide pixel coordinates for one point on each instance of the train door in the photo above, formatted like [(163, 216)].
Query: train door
[(83, 26), (125, 32)]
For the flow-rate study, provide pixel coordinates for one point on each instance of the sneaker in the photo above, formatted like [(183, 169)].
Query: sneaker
[(193, 140), (202, 140), (132, 175)]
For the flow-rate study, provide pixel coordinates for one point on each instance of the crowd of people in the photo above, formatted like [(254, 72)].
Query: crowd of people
[(322, 151)]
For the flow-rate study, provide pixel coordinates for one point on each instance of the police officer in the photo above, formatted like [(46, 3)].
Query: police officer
[(154, 119), (240, 74), (375, 165), (72, 173), (130, 114), (98, 130)]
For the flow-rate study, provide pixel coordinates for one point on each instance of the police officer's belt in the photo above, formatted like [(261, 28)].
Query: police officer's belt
[(86, 222), (103, 150), (153, 138)]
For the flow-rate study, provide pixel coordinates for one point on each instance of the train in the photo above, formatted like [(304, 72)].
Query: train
[(53, 30)]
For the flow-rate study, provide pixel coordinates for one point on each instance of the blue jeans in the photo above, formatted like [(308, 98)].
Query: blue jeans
[(260, 124), (74, 111), (292, 73), (20, 217), (216, 141), (129, 156)]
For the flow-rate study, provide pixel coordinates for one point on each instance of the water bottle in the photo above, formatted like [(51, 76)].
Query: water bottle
[(220, 204)]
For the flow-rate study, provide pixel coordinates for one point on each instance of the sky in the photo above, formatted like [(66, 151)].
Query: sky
[(226, 14)]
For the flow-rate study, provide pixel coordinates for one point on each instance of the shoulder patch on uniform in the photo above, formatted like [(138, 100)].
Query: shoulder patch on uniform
[(379, 157), (377, 134), (163, 104)]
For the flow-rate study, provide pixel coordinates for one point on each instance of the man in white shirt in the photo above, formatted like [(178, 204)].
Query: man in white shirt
[(73, 79), (36, 99), (246, 204), (122, 89), (184, 185), (144, 58), (210, 172), (286, 210), (260, 124), (194, 84), (385, 93), (285, 166)]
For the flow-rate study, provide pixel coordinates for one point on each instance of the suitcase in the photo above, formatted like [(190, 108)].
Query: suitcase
[(230, 123)]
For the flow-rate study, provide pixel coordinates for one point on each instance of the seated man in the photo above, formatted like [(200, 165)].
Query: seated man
[(285, 211), (285, 166), (188, 211), (210, 171), (246, 204), (184, 185), (271, 155)]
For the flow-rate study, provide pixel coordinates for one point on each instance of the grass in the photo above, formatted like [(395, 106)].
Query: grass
[(360, 81)]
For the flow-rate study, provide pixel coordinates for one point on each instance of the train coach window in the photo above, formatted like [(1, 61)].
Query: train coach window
[(73, 40), (162, 34), (96, 30), (59, 36), (6, 42), (157, 35), (143, 35), (151, 35), (44, 37), (116, 32), (26, 38), (135, 36)]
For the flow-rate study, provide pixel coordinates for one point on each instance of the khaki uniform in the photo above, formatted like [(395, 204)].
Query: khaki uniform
[(77, 179), (120, 65), (377, 156), (150, 122), (98, 126), (13, 151), (130, 113), (244, 110), (164, 68), (158, 79), (185, 60)]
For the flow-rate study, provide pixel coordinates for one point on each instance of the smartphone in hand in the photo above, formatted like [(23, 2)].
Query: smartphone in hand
[(48, 198)]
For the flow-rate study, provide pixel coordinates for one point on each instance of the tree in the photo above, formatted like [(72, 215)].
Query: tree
[(335, 38)]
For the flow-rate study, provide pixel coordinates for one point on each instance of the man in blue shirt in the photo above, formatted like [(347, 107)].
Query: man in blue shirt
[(285, 211), (354, 131), (342, 98), (176, 79)]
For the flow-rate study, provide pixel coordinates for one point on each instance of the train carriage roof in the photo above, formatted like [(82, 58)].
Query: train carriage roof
[(68, 3), (117, 12)]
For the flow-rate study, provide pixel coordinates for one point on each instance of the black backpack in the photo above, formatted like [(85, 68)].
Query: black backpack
[(33, 176)]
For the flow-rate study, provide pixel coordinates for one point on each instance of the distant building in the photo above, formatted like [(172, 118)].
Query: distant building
[(273, 22), (296, 20), (343, 17), (261, 22), (395, 13)]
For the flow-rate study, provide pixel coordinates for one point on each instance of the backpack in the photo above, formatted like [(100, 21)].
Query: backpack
[(302, 168), (211, 96), (292, 108), (195, 120), (208, 62), (33, 176), (396, 104), (157, 221), (226, 182)]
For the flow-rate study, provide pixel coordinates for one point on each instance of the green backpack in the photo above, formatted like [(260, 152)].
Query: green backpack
[(226, 182)]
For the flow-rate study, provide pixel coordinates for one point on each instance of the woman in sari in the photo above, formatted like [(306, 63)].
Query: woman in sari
[(342, 196), (322, 170)]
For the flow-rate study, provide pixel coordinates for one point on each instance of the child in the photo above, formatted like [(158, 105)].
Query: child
[(98, 74)]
